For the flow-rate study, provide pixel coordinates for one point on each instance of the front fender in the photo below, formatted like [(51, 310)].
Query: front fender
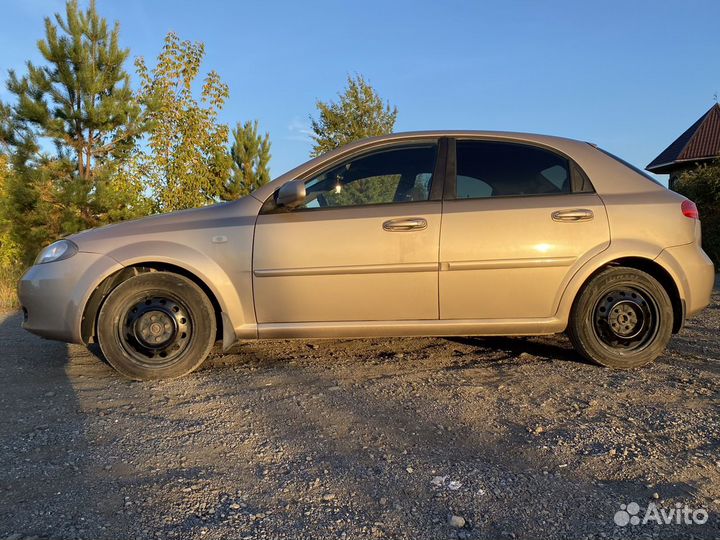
[(234, 296)]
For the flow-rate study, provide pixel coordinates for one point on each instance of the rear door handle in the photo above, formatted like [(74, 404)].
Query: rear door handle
[(578, 214), (405, 224)]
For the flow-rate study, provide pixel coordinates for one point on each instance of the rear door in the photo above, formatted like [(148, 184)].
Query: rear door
[(517, 222)]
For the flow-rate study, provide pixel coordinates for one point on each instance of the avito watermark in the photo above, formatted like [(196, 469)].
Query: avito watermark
[(629, 514)]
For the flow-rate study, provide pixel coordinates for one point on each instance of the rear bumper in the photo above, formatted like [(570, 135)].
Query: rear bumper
[(693, 272), (53, 295)]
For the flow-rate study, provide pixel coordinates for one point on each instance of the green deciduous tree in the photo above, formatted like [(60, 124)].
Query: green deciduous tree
[(250, 153), (82, 102), (187, 163), (359, 113), (702, 185)]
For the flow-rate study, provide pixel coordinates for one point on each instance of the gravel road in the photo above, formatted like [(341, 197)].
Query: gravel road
[(381, 438)]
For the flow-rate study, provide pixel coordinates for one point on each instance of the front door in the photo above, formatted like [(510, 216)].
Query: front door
[(517, 223), (363, 246)]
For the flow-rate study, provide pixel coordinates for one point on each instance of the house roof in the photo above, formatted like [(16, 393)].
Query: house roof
[(700, 142)]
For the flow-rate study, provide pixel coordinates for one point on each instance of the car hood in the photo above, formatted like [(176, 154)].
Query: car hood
[(234, 213)]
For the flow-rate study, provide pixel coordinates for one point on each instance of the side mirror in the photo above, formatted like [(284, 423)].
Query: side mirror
[(291, 194)]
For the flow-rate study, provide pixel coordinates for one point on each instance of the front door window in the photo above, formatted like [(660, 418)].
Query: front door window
[(397, 175)]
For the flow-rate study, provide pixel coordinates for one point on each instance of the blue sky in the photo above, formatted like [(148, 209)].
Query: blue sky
[(627, 75)]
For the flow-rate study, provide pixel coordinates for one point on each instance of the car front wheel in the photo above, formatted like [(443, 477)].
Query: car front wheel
[(622, 319), (156, 325)]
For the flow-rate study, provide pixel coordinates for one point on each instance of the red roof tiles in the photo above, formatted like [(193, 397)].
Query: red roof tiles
[(700, 142)]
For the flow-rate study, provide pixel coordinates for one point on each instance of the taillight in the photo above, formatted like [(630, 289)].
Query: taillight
[(689, 209)]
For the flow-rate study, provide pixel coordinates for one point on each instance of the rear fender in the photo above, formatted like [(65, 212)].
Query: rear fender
[(617, 250)]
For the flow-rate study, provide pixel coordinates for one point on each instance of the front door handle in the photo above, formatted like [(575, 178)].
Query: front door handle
[(579, 214), (405, 224)]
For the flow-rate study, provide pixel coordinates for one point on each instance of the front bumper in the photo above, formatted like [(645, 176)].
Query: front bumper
[(53, 295)]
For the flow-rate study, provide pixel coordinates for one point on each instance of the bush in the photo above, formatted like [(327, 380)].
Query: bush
[(11, 269), (702, 185), (10, 251)]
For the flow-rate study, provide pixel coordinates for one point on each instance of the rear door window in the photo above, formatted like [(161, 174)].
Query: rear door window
[(497, 169)]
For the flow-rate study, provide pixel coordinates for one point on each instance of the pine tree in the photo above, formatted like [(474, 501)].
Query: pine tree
[(359, 113), (17, 142), (81, 100), (38, 192), (251, 154), (188, 163), (12, 156)]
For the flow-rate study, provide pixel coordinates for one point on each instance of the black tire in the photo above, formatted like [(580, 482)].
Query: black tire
[(622, 319), (156, 325)]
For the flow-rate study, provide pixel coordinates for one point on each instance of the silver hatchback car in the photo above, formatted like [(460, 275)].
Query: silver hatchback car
[(411, 234)]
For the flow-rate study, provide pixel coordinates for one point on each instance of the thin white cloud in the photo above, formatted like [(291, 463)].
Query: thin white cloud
[(298, 130)]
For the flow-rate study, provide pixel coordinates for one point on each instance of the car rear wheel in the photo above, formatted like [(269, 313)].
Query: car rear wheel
[(156, 325), (622, 319)]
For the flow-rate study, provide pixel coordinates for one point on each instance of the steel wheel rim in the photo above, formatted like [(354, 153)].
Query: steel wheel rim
[(626, 318), (155, 329)]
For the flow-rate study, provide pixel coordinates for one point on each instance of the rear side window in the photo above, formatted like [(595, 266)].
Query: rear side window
[(496, 169)]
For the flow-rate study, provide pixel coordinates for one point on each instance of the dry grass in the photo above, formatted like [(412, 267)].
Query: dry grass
[(8, 288)]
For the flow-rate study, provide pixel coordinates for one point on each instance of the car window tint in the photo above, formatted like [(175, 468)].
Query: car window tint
[(493, 169), (390, 176), (473, 188)]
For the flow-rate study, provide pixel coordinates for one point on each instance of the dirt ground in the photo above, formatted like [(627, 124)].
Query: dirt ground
[(396, 438)]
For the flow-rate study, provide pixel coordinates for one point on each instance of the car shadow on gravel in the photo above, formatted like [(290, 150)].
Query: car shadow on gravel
[(517, 347), (94, 349)]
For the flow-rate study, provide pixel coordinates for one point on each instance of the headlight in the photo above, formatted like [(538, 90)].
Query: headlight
[(62, 249)]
